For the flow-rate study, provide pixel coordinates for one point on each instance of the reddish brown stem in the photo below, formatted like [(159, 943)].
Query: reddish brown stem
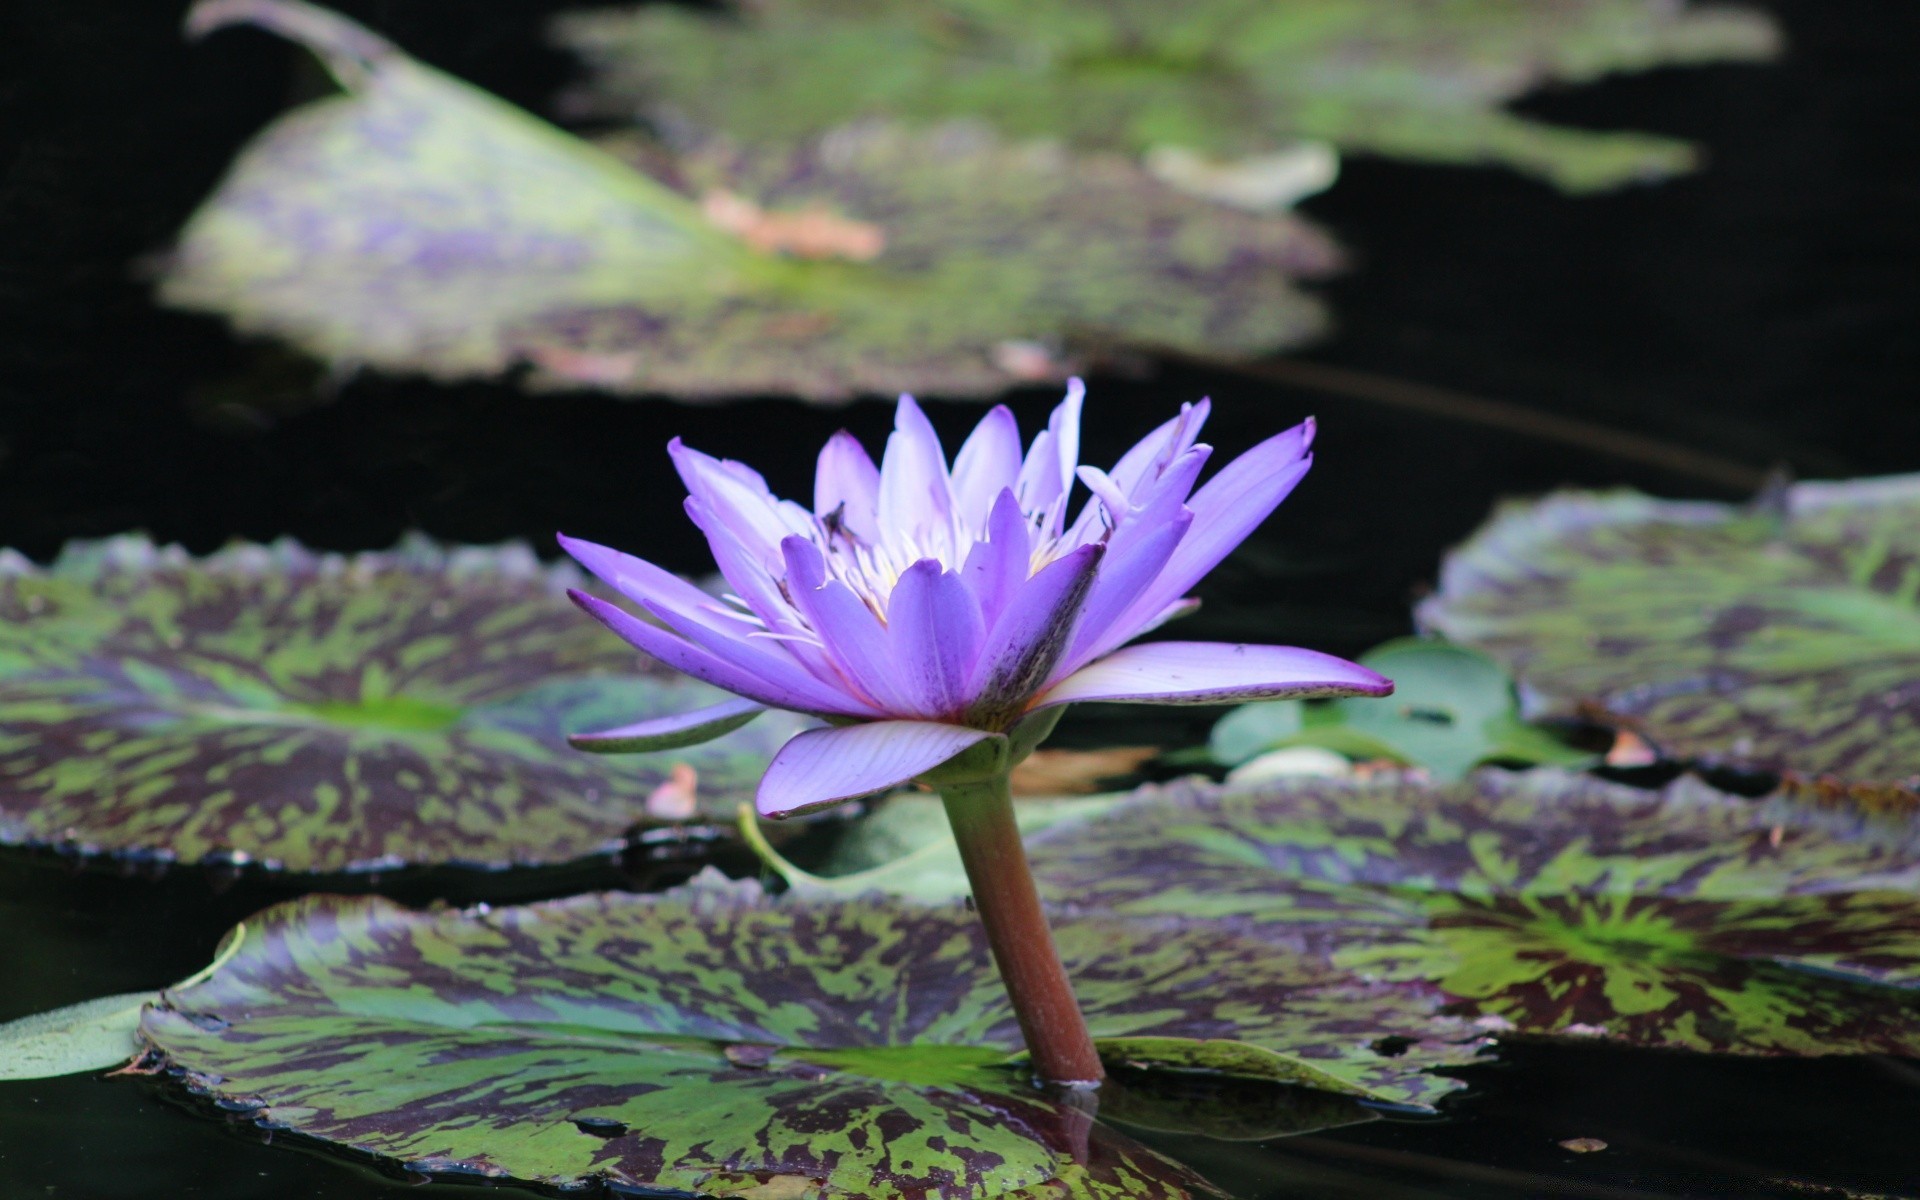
[(982, 818)]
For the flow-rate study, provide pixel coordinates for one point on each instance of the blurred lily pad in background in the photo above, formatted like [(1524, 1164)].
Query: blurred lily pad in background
[(1228, 79), (1452, 708), (1782, 636), (413, 223), (320, 713)]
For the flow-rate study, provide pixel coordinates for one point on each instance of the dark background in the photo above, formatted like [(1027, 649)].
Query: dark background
[(1763, 311)]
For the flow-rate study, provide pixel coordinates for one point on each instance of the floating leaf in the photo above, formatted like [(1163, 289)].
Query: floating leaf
[(413, 223), (1555, 903), (325, 713), (1725, 976), (90, 1036), (1200, 849), (1452, 708), (1228, 77), (1784, 638), (707, 1038)]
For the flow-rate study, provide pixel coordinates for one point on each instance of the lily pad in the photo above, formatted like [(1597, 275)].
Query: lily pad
[(1452, 709), (1548, 902), (415, 224), (323, 713), (1226, 77), (1723, 976), (1202, 849), (709, 1039), (90, 1036), (1783, 637)]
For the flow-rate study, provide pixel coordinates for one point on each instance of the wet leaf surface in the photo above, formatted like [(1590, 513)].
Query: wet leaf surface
[(1784, 637), (1549, 903), (1713, 975), (709, 1039), (322, 713), (1225, 77), (415, 224)]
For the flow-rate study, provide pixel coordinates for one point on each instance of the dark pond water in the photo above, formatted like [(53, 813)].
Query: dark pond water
[(1763, 313)]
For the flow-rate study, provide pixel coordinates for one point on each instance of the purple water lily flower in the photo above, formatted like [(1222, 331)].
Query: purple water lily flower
[(925, 609), (941, 617)]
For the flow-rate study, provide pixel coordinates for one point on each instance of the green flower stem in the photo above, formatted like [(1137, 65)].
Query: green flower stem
[(981, 814)]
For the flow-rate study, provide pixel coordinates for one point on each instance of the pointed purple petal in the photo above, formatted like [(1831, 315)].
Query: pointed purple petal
[(1027, 641), (1160, 447), (988, 463), (642, 582), (1214, 673), (1131, 564), (825, 766), (855, 639), (915, 493), (740, 501), (682, 655), (1046, 477), (996, 567), (846, 481), (935, 630), (777, 661), (671, 732), (1225, 511)]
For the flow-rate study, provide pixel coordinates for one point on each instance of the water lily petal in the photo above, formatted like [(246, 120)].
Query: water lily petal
[(640, 581), (916, 496), (1214, 673), (847, 482), (1026, 642), (995, 568), (935, 629), (798, 667), (825, 766), (1141, 471), (1135, 557), (682, 655), (854, 638), (1157, 450), (734, 494), (671, 732), (1046, 477), (1231, 505), (752, 575), (988, 462)]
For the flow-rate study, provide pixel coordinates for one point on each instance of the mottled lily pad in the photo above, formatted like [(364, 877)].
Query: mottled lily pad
[(1452, 708), (415, 224), (1783, 637), (1725, 976), (325, 713), (1201, 849), (1549, 903), (1226, 77), (709, 1038)]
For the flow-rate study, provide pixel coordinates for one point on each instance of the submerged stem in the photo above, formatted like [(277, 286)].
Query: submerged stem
[(981, 814)]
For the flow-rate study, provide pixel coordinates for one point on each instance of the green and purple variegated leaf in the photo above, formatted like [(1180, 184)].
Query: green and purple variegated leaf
[(1200, 849), (706, 1038), (1683, 917), (1784, 638), (415, 224), (1225, 77), (325, 713), (1724, 976)]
